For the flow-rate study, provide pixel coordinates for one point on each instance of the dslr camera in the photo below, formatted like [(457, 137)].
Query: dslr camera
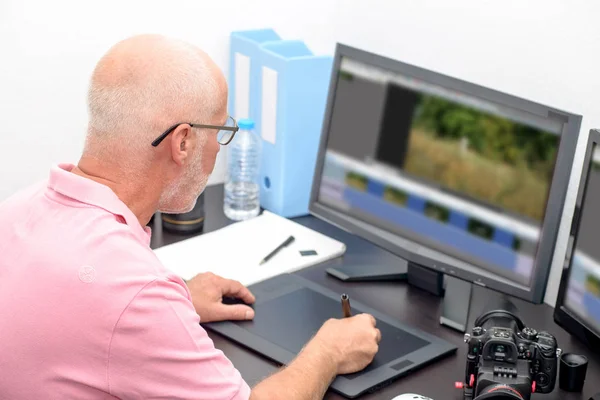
[(507, 360)]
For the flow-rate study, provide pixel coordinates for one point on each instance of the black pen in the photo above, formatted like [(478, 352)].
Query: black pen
[(287, 242)]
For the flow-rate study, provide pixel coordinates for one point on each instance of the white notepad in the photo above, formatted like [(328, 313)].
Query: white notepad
[(235, 251)]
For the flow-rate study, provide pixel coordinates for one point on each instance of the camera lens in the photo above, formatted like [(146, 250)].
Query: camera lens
[(500, 392)]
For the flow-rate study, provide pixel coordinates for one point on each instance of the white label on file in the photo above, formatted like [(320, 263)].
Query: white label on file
[(269, 105), (242, 86)]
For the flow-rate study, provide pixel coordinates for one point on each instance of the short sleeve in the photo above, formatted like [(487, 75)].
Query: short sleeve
[(159, 350)]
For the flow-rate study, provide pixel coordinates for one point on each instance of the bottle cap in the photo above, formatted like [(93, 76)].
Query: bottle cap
[(246, 123)]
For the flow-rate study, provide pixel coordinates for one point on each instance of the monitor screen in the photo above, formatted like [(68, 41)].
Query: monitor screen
[(451, 171), (582, 296)]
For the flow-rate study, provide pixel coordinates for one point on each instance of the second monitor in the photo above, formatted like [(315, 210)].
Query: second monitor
[(461, 179), (578, 303)]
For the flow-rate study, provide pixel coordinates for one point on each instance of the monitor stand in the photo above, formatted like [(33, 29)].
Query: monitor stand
[(456, 304), (361, 272), (456, 293)]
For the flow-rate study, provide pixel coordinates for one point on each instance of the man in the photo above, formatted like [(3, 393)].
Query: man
[(88, 310)]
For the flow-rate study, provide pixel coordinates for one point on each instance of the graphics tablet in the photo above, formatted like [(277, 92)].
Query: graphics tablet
[(289, 310)]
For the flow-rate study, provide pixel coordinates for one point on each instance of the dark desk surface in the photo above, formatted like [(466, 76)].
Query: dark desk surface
[(398, 300)]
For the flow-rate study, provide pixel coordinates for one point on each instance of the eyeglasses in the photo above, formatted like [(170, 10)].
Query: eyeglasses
[(224, 136)]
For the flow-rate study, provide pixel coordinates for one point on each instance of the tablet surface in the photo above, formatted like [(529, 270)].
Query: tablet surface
[(290, 309)]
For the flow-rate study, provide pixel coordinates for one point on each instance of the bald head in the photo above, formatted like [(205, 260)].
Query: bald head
[(145, 84), (141, 87)]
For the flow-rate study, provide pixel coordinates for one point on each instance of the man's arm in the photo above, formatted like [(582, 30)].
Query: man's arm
[(306, 378), (158, 349), (341, 346)]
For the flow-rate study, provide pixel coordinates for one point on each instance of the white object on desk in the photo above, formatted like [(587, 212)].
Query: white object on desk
[(235, 251), (411, 396)]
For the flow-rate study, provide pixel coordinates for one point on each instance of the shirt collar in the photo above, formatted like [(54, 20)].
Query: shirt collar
[(85, 190)]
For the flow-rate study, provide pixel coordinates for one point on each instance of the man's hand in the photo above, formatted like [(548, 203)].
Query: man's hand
[(341, 346), (353, 342), (208, 290)]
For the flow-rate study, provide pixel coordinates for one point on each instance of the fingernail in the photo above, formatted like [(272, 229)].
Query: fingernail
[(249, 314)]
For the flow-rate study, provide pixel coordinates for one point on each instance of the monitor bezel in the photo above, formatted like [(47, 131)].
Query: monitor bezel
[(557, 193), (567, 319)]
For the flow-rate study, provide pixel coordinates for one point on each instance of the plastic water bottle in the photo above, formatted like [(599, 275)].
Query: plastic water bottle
[(242, 189)]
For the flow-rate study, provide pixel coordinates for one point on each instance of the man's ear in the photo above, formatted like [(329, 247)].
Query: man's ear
[(180, 143)]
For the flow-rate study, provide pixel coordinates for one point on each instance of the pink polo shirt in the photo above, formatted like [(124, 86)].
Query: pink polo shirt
[(89, 312)]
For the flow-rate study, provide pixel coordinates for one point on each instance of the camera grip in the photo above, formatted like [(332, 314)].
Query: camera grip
[(546, 363)]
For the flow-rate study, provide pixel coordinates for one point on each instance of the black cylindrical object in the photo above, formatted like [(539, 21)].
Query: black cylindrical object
[(189, 222), (573, 368)]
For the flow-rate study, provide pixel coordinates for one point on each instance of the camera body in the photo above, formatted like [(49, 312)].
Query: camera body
[(507, 360)]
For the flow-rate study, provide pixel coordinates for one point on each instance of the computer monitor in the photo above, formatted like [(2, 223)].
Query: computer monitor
[(461, 179), (578, 304)]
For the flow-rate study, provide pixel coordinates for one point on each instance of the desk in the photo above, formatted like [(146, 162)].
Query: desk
[(398, 300)]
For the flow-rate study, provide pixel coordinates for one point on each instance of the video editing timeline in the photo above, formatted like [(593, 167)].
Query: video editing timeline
[(583, 290), (453, 172)]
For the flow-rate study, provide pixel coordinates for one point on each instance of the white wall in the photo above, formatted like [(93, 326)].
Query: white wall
[(49, 48), (543, 50)]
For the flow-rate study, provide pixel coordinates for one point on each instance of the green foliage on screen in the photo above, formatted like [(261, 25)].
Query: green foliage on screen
[(494, 137)]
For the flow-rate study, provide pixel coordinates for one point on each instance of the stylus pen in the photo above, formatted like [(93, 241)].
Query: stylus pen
[(346, 306), (287, 242)]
